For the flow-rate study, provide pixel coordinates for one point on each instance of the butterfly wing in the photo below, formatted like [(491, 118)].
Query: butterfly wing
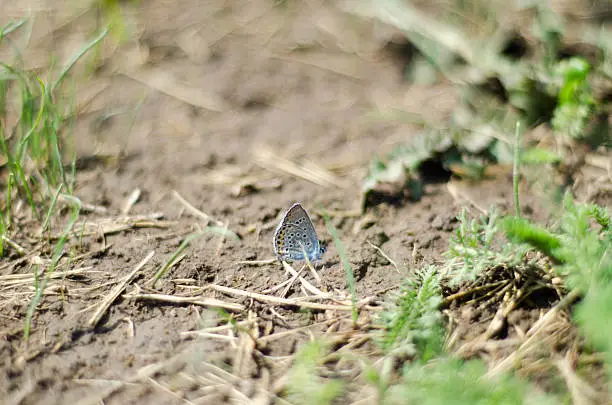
[(288, 243), (296, 234)]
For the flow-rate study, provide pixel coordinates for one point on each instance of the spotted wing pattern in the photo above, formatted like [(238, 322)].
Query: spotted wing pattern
[(296, 234)]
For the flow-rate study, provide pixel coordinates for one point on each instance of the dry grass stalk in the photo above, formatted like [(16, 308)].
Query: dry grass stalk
[(166, 83), (297, 302), (279, 286), (130, 201), (110, 226), (461, 196), (204, 302), (246, 345), (307, 285), (289, 283), (465, 293), (85, 207), (268, 160), (510, 303), (257, 262), (582, 393), (198, 213), (294, 331), (215, 329), (10, 280), (537, 335), (222, 240), (383, 254), (112, 296), (20, 250)]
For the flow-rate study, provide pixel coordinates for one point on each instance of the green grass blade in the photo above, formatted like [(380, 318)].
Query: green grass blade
[(24, 183), (50, 210), (348, 270), (412, 321), (520, 230), (515, 168), (305, 387), (41, 111), (78, 56), (8, 217), (40, 286), (3, 234), (10, 27)]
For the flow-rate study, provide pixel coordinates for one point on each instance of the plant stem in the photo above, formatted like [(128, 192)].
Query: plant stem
[(515, 167)]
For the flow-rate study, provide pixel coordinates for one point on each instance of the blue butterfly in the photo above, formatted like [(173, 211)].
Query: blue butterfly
[(295, 235)]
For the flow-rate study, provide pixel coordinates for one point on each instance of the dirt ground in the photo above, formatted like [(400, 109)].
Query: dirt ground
[(238, 109)]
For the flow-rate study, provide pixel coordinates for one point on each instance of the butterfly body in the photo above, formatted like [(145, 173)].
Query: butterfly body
[(295, 235)]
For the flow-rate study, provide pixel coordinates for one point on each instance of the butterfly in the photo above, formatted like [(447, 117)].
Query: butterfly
[(295, 235)]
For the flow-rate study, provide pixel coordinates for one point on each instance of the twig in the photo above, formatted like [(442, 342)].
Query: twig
[(383, 254), (207, 218), (461, 294), (582, 392), (314, 290), (130, 201), (459, 195), (280, 301), (290, 282), (257, 262), (533, 335), (85, 207), (21, 251), (110, 298), (215, 329), (204, 302)]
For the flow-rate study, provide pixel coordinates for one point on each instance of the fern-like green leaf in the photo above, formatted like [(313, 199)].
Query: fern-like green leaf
[(305, 386), (452, 382), (520, 230), (412, 322)]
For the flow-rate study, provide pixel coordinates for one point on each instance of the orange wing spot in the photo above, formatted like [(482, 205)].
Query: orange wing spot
[(279, 238)]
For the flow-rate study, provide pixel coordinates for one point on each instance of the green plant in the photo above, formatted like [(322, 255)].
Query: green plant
[(447, 381), (578, 248), (305, 387), (114, 19), (411, 322), (534, 87), (476, 247), (515, 168), (32, 145), (575, 101), (581, 245), (348, 270), (404, 161), (464, 152), (58, 252)]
